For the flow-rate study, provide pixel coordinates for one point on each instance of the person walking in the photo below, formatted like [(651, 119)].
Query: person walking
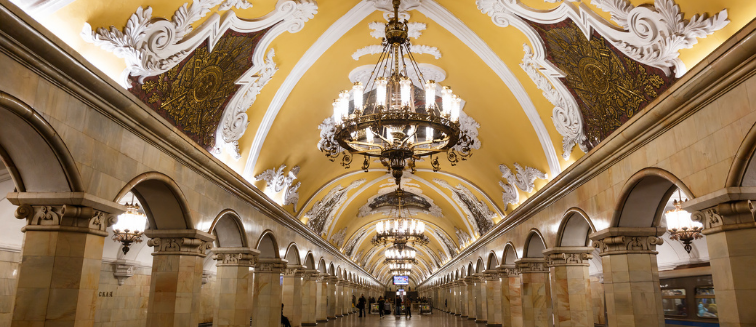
[(407, 308), (381, 306), (361, 305)]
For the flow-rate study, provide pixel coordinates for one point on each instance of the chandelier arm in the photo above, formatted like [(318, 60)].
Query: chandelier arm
[(415, 66), (376, 69)]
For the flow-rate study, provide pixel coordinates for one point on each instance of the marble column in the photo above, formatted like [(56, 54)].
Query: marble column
[(292, 294), (233, 302), (492, 301), (347, 289), (460, 289), (59, 273), (511, 296), (631, 275), (535, 293), (730, 230), (310, 297), (331, 297), (472, 290), (570, 286), (597, 296), (339, 298), (481, 308), (176, 279), (267, 297)]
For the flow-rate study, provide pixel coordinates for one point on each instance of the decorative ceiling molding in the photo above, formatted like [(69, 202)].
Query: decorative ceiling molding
[(355, 15), (41, 8), (372, 207), (650, 35), (524, 180), (451, 248), (351, 244), (152, 46), (447, 20), (278, 181), (338, 238), (566, 115), (462, 237), (414, 30), (476, 210), (321, 214)]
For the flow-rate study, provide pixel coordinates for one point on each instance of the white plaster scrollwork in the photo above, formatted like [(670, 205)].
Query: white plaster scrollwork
[(327, 140), (478, 213), (351, 244), (387, 5), (509, 195), (524, 180), (279, 181), (151, 46), (650, 35), (322, 213), (414, 30), (462, 237), (338, 238), (566, 114)]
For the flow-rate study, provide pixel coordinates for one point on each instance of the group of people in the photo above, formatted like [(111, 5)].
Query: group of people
[(384, 307)]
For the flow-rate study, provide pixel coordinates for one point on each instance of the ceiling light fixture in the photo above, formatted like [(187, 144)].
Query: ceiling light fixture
[(681, 227), (399, 230), (394, 118), (130, 226)]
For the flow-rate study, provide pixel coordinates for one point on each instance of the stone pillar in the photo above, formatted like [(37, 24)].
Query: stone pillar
[(481, 308), (511, 297), (339, 299), (331, 297), (267, 298), (233, 302), (492, 301), (570, 286), (310, 297), (631, 275), (292, 294), (730, 230), (347, 296), (176, 279), (59, 274), (472, 290), (597, 296), (536, 295), (459, 298)]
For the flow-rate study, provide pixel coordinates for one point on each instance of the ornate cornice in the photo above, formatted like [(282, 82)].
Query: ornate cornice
[(235, 256), (568, 256), (627, 240), (270, 265), (279, 181), (65, 217), (726, 216), (179, 242), (531, 265)]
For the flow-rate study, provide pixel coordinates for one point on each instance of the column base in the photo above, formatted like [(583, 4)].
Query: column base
[(493, 325), (470, 318), (458, 315), (332, 318), (309, 324), (481, 321), (339, 316), (463, 316), (326, 320)]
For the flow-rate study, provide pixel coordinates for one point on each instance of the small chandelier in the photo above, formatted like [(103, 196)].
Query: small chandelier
[(400, 230), (130, 226), (394, 118), (681, 227), (400, 272), (400, 253), (400, 266)]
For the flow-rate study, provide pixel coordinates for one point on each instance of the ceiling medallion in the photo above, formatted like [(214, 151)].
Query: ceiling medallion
[(391, 118)]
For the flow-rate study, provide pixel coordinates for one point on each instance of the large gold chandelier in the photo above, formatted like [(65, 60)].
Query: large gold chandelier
[(400, 230), (394, 120)]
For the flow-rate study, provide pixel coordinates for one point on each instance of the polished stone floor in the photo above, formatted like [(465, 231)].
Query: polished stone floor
[(437, 319)]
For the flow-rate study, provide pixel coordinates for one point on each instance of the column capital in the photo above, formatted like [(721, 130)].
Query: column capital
[(179, 242), (531, 265), (65, 211), (726, 216), (628, 240), (568, 256), (270, 265), (293, 270), (493, 275), (243, 257)]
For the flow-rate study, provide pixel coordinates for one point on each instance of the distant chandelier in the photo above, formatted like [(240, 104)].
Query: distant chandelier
[(681, 227), (400, 272), (400, 266), (400, 230), (392, 119), (397, 253), (130, 226)]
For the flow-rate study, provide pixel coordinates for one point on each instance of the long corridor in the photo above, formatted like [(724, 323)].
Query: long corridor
[(437, 319)]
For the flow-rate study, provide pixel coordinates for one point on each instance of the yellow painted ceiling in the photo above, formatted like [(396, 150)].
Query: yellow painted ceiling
[(506, 134)]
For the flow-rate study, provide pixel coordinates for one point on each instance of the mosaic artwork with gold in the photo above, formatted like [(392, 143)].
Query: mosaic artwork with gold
[(608, 86), (194, 93)]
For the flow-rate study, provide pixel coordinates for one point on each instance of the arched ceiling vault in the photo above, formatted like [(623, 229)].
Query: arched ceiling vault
[(299, 55)]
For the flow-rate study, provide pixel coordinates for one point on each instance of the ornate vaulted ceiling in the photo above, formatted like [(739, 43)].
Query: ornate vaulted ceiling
[(251, 81)]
